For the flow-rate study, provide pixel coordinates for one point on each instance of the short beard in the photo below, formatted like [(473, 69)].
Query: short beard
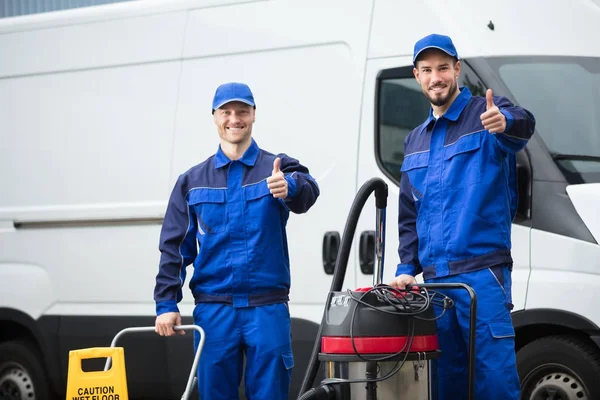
[(441, 101)]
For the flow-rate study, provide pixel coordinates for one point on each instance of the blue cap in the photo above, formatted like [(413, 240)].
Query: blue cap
[(435, 41), (232, 91)]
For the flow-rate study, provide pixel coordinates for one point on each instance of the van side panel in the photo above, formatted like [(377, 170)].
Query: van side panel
[(484, 28), (69, 44), (101, 114), (564, 275), (86, 138)]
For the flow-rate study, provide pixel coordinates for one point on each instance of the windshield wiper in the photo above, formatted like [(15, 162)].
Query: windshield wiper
[(575, 157)]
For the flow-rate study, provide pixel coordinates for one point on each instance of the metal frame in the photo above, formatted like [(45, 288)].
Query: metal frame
[(472, 324), (192, 378)]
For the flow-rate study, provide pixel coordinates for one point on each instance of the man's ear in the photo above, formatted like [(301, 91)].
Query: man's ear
[(457, 69), (416, 74)]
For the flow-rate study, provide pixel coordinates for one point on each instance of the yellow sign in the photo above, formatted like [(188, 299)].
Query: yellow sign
[(97, 385)]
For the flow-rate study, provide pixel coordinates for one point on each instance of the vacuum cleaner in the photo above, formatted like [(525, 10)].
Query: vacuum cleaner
[(379, 343)]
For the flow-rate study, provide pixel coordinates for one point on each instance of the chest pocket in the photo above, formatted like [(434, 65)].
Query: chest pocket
[(462, 161), (209, 205), (262, 209), (415, 166)]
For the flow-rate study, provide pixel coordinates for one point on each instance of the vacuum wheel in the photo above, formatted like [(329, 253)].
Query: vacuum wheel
[(559, 368)]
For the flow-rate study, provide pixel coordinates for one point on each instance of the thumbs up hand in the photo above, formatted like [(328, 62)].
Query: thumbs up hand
[(492, 119), (276, 182)]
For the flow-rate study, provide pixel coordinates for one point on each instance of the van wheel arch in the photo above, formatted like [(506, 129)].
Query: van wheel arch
[(537, 323)]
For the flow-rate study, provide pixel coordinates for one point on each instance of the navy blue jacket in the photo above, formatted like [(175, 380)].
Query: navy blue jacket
[(222, 218), (458, 193)]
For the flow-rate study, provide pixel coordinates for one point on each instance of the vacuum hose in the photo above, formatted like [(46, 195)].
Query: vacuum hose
[(323, 392), (339, 273)]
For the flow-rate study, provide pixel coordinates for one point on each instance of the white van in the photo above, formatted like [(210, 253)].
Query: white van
[(101, 108)]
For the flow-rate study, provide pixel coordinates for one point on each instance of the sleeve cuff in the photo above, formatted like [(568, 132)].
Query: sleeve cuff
[(510, 120), (408, 269), (166, 306), (291, 185)]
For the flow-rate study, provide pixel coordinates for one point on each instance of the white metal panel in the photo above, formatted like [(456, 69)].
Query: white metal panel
[(246, 28), (520, 27), (92, 137), (565, 275), (85, 265), (93, 45), (25, 287), (86, 15), (586, 200), (521, 246), (97, 143), (550, 251)]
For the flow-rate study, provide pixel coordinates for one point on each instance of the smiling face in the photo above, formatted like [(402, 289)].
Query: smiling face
[(437, 73), (234, 123)]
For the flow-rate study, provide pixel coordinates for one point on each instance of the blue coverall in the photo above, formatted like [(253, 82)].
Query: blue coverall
[(458, 197), (222, 218)]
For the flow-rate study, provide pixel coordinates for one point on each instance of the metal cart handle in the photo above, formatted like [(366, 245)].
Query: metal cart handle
[(192, 378), (472, 324)]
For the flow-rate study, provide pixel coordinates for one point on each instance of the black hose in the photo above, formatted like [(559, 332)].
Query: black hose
[(341, 263), (323, 392)]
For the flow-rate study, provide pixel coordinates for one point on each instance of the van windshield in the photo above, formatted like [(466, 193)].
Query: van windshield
[(563, 93)]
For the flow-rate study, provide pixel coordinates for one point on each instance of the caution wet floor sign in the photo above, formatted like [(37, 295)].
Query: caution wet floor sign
[(97, 385)]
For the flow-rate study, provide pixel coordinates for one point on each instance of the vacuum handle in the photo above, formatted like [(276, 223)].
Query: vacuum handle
[(380, 222), (381, 195)]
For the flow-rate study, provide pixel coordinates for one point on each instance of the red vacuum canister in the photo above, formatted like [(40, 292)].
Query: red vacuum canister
[(377, 343)]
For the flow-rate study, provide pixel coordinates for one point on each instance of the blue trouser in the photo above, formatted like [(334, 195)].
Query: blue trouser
[(495, 360), (263, 333)]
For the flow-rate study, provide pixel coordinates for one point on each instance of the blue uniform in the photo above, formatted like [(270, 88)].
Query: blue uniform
[(222, 218), (458, 197)]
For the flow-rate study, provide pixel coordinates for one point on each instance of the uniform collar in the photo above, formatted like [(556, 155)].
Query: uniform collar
[(249, 157), (458, 104), (455, 109)]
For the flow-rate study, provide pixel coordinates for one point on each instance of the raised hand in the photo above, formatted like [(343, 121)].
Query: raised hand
[(276, 182), (492, 119)]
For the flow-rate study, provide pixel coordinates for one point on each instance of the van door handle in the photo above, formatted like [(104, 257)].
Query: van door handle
[(331, 247), (366, 252)]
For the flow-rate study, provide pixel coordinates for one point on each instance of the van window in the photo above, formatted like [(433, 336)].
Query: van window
[(563, 93), (401, 106)]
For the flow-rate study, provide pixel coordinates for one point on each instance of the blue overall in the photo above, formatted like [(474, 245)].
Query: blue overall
[(458, 197), (223, 219)]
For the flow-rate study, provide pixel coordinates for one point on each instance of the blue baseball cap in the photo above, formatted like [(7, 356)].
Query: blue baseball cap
[(232, 91), (435, 41)]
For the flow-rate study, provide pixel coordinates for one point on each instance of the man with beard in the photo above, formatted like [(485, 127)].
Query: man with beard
[(227, 216), (458, 197)]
